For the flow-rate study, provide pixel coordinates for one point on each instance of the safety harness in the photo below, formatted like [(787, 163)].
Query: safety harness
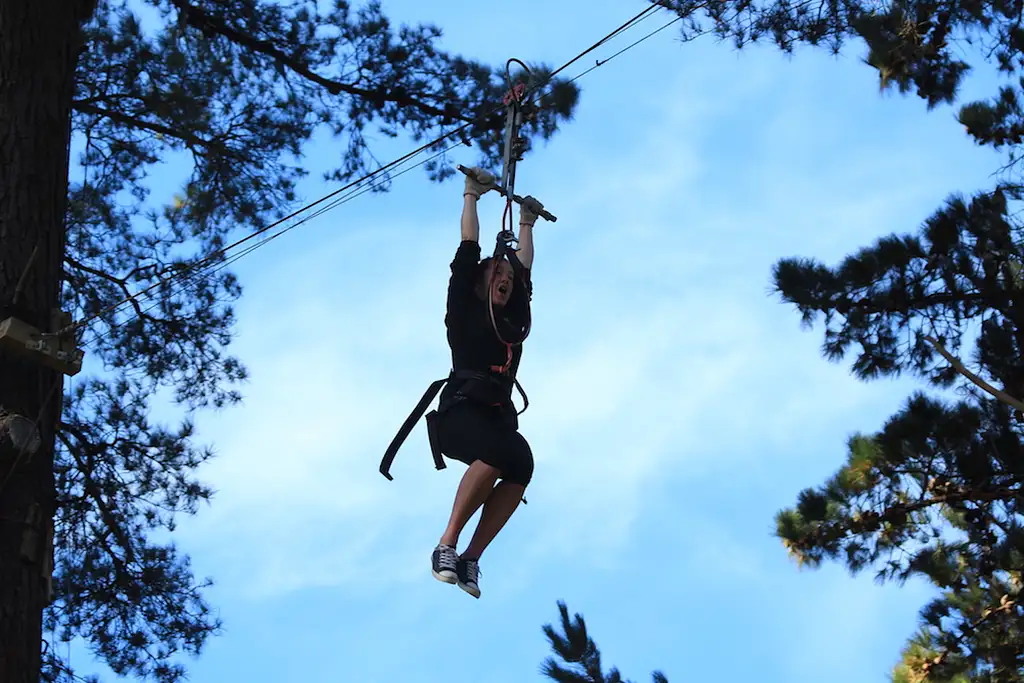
[(473, 382), (469, 380)]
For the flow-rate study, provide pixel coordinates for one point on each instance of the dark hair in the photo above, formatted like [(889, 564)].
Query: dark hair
[(479, 278)]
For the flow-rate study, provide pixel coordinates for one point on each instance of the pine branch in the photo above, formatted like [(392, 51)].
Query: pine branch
[(105, 513), (1005, 605), (1014, 403), (199, 18), (195, 143), (122, 283), (870, 521), (872, 305), (579, 651)]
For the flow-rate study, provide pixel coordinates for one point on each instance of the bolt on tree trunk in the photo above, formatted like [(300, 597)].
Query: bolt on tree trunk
[(39, 42)]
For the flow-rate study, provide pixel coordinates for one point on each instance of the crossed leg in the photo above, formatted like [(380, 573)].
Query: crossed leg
[(474, 490), (499, 501), (498, 508)]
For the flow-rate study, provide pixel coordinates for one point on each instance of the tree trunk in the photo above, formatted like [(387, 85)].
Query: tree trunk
[(39, 42)]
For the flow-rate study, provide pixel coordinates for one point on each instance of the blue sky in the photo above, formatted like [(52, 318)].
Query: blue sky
[(675, 405)]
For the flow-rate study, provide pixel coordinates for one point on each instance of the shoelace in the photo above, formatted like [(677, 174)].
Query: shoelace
[(448, 556), (472, 571)]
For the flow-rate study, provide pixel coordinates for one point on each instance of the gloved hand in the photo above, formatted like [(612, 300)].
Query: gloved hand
[(529, 210), (478, 182)]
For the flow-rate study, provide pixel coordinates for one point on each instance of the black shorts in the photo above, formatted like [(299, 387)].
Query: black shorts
[(469, 431)]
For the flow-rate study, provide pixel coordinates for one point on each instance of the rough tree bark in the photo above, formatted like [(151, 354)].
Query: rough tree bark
[(39, 43)]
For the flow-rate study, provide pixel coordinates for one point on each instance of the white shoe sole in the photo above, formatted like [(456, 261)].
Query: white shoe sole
[(445, 576), (475, 592)]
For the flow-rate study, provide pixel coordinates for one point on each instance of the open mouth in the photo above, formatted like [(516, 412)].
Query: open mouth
[(503, 289)]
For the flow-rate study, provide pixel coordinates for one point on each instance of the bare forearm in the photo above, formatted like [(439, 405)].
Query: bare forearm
[(525, 251), (470, 219)]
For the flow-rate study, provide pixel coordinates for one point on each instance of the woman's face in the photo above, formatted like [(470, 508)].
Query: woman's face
[(501, 285)]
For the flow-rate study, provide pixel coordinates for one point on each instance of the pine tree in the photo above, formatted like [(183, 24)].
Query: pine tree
[(937, 492), (581, 658), (235, 88)]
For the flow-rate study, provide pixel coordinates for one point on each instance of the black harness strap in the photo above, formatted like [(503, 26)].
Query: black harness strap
[(421, 408), (410, 422), (526, 401)]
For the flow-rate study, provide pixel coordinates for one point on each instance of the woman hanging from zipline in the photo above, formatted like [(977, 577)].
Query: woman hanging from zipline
[(477, 422)]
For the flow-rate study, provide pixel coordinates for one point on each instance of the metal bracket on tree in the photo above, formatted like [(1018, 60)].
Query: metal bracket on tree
[(52, 349)]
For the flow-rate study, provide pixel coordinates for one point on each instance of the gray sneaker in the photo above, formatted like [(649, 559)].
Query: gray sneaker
[(468, 573), (444, 561)]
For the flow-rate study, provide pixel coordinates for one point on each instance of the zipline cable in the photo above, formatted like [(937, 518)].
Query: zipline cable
[(199, 267), (356, 192), (203, 264)]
